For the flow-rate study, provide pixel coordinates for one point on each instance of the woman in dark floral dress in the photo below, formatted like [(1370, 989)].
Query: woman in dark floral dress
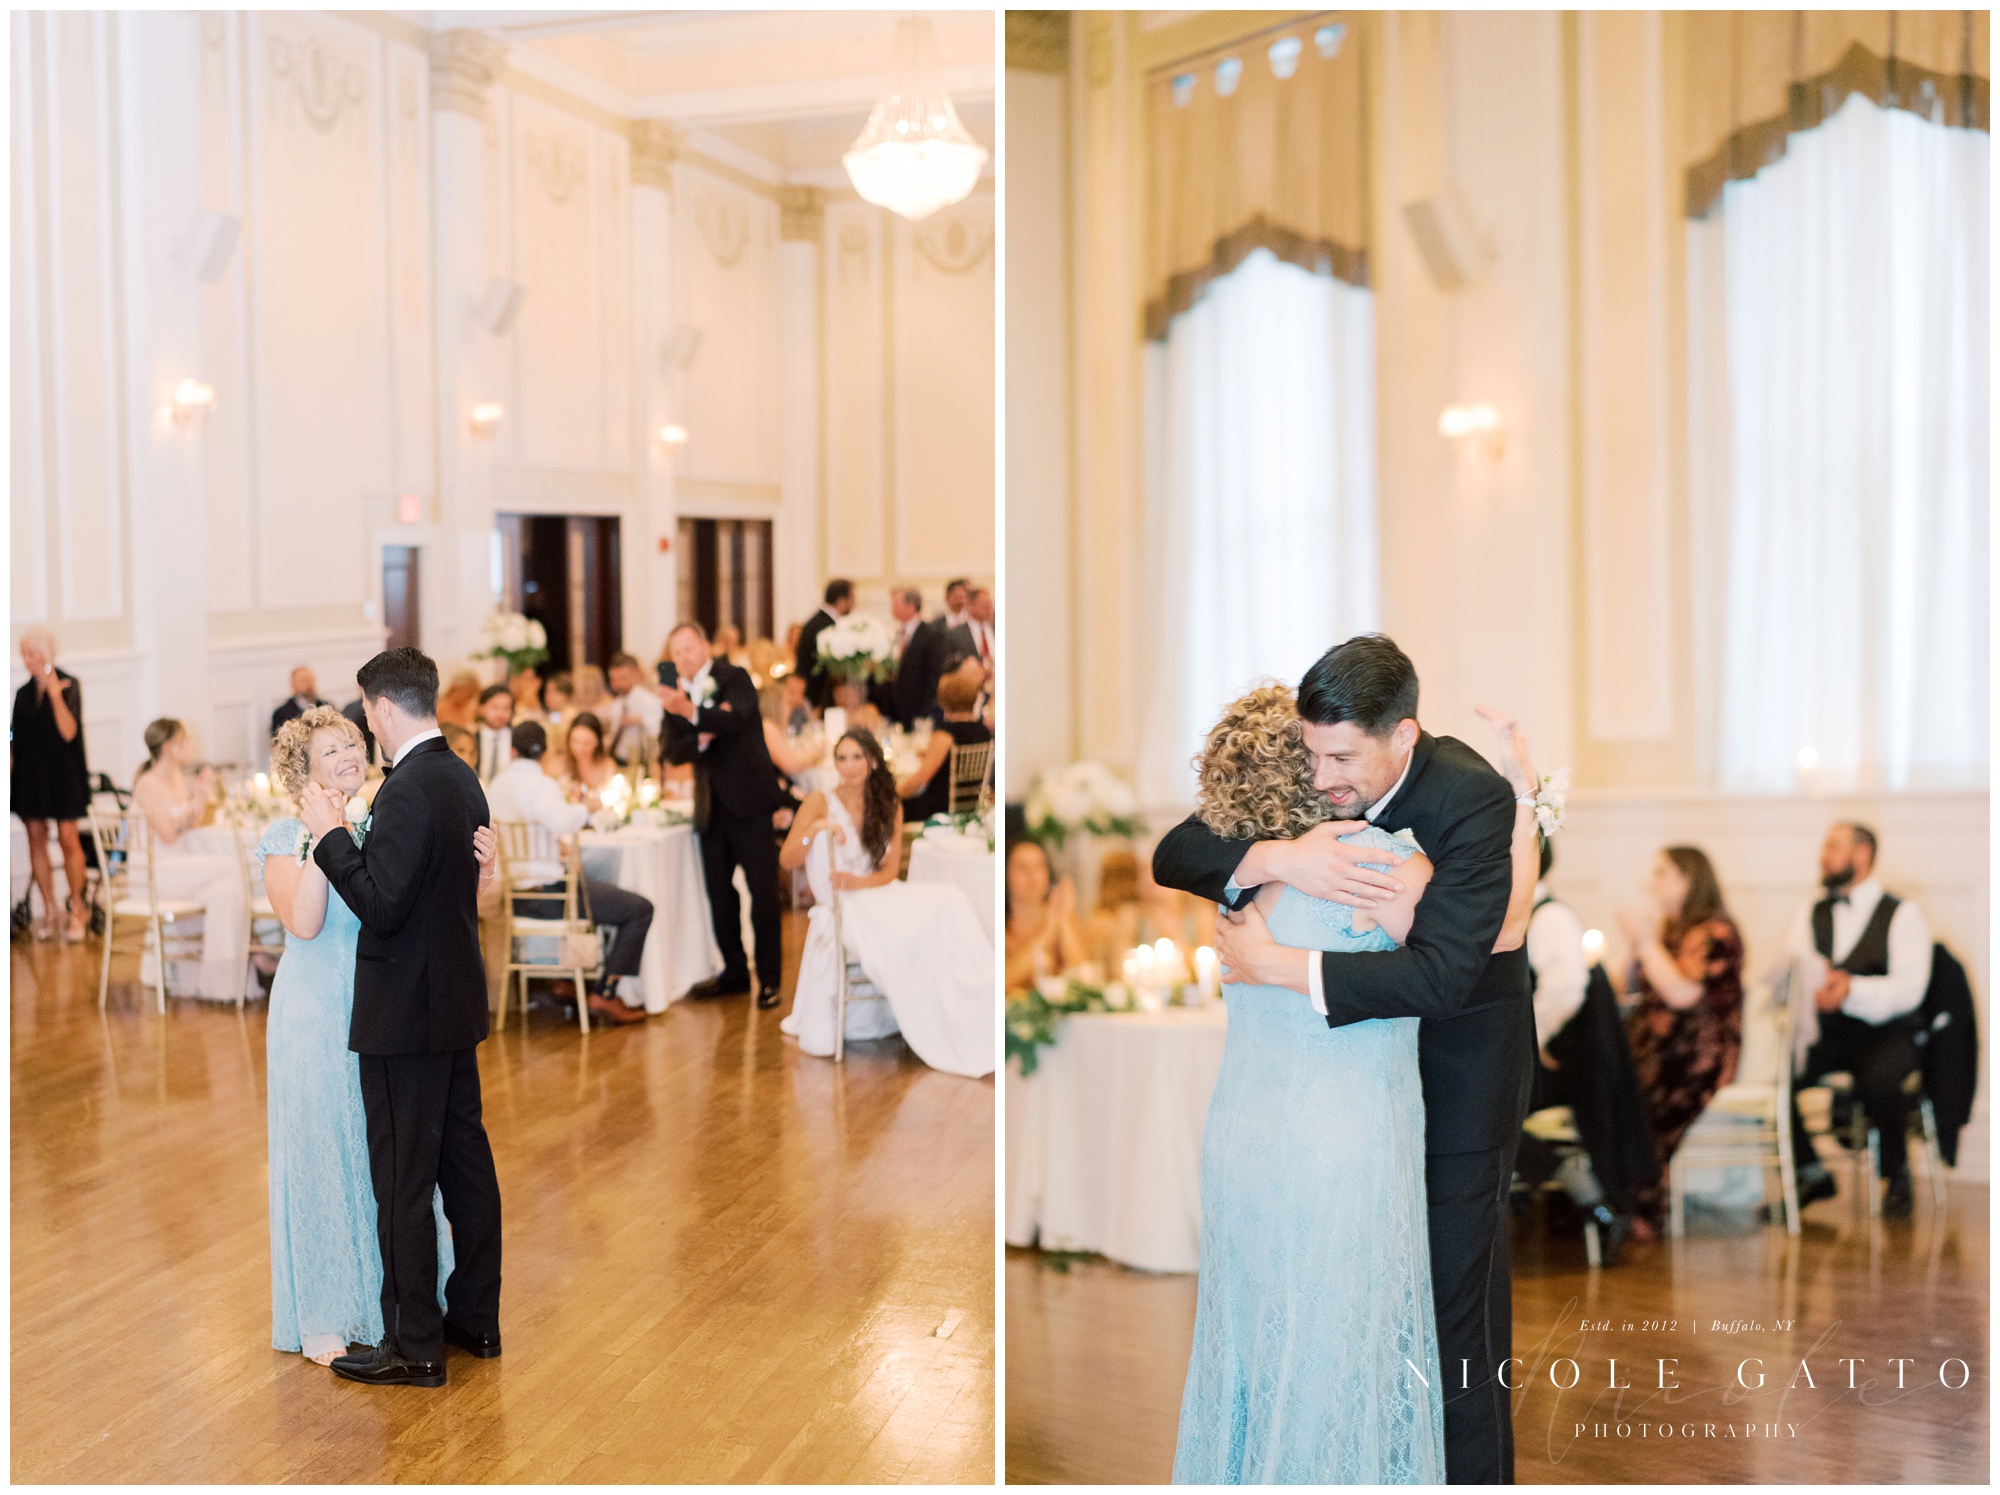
[(1687, 1029)]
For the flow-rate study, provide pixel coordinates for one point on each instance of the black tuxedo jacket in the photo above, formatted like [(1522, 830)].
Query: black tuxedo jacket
[(290, 710), (819, 684), (736, 774), (1476, 1048), (419, 979), (913, 693)]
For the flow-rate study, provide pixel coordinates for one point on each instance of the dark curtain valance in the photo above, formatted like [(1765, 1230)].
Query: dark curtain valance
[(1756, 78), (1258, 146)]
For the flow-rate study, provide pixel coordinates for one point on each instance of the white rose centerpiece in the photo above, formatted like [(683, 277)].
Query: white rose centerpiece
[(1082, 796), (858, 647), (518, 640)]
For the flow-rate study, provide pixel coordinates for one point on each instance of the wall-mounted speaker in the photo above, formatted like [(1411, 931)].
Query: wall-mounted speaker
[(207, 243), (1454, 250), (496, 310)]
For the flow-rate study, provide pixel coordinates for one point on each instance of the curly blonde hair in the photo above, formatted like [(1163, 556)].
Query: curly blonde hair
[(291, 753), (1255, 777)]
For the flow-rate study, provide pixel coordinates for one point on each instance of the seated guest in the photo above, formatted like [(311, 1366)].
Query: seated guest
[(1876, 954), (524, 793), (795, 711), (589, 691), (1585, 1064), (173, 792), (926, 789), (1042, 937), (525, 684), (587, 765), (459, 705), (633, 717), (463, 744), (557, 705), (1687, 1027), (304, 696), (496, 732)]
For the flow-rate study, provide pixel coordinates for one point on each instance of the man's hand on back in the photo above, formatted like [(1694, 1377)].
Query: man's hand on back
[(1321, 865)]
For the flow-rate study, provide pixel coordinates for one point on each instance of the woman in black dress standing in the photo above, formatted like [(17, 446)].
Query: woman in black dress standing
[(50, 779)]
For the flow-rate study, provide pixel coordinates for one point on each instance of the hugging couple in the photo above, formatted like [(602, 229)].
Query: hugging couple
[(1353, 1315)]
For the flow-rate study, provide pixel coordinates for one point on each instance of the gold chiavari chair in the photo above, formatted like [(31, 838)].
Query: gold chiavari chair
[(578, 952), (131, 898), (971, 770)]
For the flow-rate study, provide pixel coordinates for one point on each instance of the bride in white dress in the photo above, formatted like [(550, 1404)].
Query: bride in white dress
[(921, 943)]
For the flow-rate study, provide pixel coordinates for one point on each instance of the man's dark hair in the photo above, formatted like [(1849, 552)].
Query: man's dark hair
[(409, 677), (1367, 681), (494, 690), (622, 661), (1863, 836), (530, 741), (955, 582), (838, 591), (912, 597)]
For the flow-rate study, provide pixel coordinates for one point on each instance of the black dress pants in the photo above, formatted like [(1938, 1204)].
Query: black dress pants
[(1880, 1056), (729, 842), (424, 1132), (1472, 1289), (629, 914)]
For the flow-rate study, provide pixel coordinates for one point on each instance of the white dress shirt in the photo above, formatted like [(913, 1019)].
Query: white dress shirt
[(1555, 950), (1314, 980), (523, 792), (404, 751), (982, 639), (496, 751), (1874, 999)]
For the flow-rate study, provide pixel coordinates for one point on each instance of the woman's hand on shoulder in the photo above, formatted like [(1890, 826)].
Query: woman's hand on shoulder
[(1514, 760)]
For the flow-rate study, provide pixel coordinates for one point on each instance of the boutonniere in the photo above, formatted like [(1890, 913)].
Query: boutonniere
[(704, 694), (360, 820)]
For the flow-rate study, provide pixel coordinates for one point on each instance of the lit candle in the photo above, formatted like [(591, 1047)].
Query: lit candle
[(648, 792), (263, 783), (1208, 972)]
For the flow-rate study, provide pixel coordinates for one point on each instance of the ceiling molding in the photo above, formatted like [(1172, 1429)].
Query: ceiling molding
[(807, 99)]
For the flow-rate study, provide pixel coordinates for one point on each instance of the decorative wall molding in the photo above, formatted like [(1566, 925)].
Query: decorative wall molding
[(464, 64), (955, 243), (323, 84), (1038, 40), (724, 227), (801, 214), (656, 148), (557, 162)]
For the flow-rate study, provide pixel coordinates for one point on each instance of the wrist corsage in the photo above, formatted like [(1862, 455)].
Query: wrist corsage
[(1549, 800)]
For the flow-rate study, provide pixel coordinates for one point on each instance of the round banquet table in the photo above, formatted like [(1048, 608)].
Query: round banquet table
[(662, 863), (1104, 1138), (966, 862)]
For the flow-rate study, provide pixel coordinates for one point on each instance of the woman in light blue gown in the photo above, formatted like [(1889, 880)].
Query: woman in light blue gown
[(1315, 1354), (326, 1267)]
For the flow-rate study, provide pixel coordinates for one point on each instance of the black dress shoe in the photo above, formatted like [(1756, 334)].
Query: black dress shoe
[(1897, 1200), (724, 985), (479, 1346), (384, 1365), (767, 997)]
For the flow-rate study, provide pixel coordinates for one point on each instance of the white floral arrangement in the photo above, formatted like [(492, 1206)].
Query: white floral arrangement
[(360, 817), (519, 640), (1081, 796), (859, 647), (1550, 800)]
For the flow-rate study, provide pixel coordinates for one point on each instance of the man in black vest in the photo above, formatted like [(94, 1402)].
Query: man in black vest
[(1878, 948), (712, 721), (1476, 1044), (419, 1015)]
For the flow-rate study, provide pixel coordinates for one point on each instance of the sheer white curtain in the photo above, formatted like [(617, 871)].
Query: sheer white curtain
[(1839, 357), (1260, 478)]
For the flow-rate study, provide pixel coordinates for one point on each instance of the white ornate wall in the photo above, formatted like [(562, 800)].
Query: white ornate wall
[(384, 177)]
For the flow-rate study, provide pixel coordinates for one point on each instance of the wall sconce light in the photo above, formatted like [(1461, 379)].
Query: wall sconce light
[(192, 404), (1593, 943), (1479, 423), (486, 420), (673, 434)]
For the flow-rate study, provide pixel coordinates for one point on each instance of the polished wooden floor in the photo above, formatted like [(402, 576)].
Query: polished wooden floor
[(724, 1261), (1096, 1356)]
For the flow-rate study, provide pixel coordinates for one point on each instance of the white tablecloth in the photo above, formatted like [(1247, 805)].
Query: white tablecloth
[(1104, 1139), (663, 864), (965, 862)]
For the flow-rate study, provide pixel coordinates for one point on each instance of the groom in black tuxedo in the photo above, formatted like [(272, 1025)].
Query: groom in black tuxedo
[(419, 1015), (1476, 1044)]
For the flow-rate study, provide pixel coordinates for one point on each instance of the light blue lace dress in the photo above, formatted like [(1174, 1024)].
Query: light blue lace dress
[(326, 1267), (1314, 1332)]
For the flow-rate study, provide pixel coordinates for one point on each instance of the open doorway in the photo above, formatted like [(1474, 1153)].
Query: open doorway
[(725, 574), (563, 571)]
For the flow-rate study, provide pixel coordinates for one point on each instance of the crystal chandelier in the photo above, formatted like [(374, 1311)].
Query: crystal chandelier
[(914, 157)]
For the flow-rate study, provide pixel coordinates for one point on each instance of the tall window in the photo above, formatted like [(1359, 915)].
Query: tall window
[(1839, 346), (1260, 410)]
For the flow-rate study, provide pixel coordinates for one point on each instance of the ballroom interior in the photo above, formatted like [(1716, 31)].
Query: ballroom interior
[(1603, 360), (341, 330)]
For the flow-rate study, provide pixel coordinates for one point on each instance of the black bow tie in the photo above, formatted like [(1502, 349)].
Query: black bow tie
[(1839, 898)]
